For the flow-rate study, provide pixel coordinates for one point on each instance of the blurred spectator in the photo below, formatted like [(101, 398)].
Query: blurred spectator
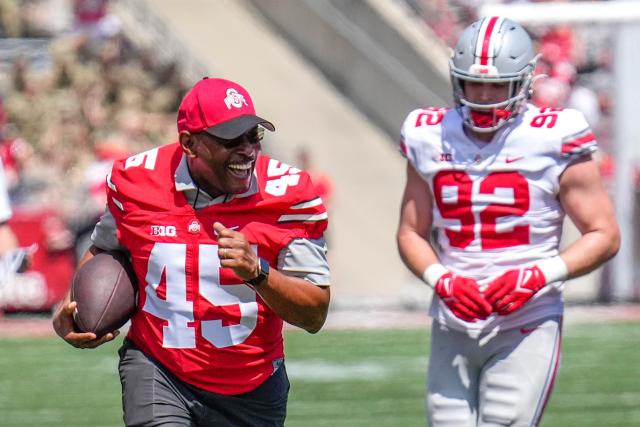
[(585, 99), (88, 13), (10, 22), (15, 153), (67, 116), (322, 182), (8, 240), (70, 105), (556, 44)]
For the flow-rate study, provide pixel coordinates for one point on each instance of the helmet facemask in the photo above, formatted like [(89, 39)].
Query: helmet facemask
[(492, 50), (490, 117)]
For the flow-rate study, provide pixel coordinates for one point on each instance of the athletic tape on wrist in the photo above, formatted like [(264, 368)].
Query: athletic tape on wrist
[(433, 273), (554, 269)]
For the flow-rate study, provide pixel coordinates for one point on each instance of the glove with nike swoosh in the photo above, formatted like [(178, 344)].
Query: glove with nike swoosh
[(511, 290), (460, 294)]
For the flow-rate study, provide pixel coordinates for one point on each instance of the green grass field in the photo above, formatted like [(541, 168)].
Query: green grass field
[(339, 378)]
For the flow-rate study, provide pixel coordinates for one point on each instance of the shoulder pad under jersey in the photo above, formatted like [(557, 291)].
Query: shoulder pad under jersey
[(566, 130), (421, 129), (290, 192), (144, 180)]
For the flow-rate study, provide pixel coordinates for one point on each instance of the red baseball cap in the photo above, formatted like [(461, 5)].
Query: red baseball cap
[(219, 107)]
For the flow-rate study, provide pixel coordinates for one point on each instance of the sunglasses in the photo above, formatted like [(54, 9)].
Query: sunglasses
[(254, 136)]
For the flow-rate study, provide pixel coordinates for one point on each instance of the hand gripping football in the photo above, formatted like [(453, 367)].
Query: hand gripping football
[(105, 289)]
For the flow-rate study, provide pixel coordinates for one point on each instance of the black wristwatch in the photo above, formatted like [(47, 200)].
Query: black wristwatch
[(263, 273)]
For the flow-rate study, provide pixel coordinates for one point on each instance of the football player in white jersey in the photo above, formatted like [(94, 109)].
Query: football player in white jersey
[(492, 180)]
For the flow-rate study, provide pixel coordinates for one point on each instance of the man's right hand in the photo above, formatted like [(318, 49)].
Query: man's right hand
[(462, 296), (64, 327)]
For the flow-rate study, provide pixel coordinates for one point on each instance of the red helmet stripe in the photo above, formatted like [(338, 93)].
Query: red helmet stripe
[(486, 41)]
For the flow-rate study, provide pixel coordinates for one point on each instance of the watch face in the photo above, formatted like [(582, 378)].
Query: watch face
[(264, 267)]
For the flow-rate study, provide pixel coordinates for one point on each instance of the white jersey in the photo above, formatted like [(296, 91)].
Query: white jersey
[(5, 207), (495, 205)]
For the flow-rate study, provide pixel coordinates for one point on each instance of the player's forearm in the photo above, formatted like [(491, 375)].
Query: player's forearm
[(295, 300), (591, 250), (416, 252)]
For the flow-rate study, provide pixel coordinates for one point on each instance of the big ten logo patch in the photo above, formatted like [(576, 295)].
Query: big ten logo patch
[(163, 230)]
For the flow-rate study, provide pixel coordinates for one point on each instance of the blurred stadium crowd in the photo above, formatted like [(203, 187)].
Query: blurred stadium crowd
[(76, 93), (74, 96)]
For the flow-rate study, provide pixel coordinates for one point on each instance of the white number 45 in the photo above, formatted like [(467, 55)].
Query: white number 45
[(177, 310), (283, 177)]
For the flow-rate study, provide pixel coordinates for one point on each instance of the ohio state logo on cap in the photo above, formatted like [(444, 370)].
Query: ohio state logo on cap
[(234, 99), (202, 110)]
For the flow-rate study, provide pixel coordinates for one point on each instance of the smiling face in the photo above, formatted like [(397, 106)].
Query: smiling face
[(221, 166)]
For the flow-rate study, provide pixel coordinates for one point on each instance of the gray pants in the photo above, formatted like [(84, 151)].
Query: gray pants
[(152, 396), (501, 379)]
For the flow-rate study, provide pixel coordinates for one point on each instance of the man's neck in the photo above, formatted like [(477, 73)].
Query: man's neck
[(201, 183)]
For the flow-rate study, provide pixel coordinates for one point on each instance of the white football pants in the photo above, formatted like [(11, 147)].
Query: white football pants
[(498, 379)]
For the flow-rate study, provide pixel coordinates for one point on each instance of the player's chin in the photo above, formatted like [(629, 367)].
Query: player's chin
[(238, 187)]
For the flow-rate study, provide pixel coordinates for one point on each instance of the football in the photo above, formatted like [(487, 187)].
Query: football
[(105, 289)]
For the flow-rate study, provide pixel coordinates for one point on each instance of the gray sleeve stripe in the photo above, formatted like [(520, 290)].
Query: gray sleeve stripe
[(304, 217), (110, 183), (117, 203), (310, 204)]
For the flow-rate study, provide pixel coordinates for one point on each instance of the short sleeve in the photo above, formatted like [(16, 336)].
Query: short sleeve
[(578, 140), (104, 234), (306, 259)]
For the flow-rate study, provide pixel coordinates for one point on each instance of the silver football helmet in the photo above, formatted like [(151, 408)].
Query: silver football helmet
[(492, 50)]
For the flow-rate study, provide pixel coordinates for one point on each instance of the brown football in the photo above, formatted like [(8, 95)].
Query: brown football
[(105, 289)]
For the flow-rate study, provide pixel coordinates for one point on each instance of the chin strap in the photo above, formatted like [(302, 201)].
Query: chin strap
[(488, 118)]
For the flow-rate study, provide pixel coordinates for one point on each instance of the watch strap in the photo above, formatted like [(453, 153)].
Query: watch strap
[(263, 273)]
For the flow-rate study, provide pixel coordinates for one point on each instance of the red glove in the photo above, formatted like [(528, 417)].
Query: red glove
[(514, 288), (462, 296)]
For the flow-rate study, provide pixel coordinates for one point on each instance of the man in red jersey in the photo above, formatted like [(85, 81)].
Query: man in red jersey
[(226, 243)]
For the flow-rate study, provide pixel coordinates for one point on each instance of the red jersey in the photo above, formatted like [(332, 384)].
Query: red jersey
[(196, 318)]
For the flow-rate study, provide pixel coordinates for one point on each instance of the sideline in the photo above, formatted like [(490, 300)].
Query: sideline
[(22, 326)]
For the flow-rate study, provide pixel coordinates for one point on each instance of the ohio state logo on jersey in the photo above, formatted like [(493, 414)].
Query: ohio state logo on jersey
[(194, 227)]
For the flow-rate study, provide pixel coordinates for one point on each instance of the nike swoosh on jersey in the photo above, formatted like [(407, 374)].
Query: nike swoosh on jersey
[(513, 159)]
